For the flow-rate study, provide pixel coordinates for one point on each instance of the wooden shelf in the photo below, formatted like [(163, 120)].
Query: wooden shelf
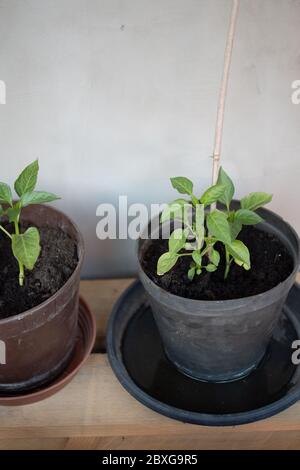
[(95, 412)]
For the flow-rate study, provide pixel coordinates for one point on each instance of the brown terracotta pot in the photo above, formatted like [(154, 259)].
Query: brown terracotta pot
[(36, 345)]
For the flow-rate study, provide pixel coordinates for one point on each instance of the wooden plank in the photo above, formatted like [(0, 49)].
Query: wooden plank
[(95, 412), (231, 441), (34, 444), (95, 404), (101, 296)]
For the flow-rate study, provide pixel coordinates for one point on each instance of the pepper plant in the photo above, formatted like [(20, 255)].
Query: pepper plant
[(25, 246), (202, 228)]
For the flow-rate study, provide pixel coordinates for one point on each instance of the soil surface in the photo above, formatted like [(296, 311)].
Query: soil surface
[(271, 263), (57, 261)]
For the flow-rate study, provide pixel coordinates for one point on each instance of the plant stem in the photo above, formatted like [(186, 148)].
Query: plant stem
[(194, 200), (227, 255), (21, 266), (5, 231)]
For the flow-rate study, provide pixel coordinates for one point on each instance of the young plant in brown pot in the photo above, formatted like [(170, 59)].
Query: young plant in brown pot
[(40, 260)]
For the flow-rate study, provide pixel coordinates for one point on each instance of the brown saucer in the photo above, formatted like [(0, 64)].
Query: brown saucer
[(85, 340)]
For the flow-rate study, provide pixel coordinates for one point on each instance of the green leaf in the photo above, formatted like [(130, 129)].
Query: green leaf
[(26, 247), (213, 194), (255, 200), (247, 217), (13, 214), (26, 182), (191, 273), (37, 197), (5, 194), (240, 253), (235, 228), (175, 210), (166, 262), (214, 257), (199, 271), (197, 257), (182, 184), (211, 268), (223, 179), (218, 226), (177, 240)]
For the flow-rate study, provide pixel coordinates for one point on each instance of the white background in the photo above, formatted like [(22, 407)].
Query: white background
[(116, 96)]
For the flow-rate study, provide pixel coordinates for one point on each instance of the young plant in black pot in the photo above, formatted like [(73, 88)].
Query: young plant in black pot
[(40, 259), (218, 283), (217, 290), (201, 231)]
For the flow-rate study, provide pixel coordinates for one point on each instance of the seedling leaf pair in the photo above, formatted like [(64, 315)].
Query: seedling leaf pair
[(25, 246)]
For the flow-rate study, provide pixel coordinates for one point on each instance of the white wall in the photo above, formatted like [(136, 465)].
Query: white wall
[(116, 96)]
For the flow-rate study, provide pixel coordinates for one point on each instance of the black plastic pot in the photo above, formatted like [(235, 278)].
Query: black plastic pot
[(220, 340)]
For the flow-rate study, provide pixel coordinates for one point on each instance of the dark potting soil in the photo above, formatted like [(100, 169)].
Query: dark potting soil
[(56, 263), (271, 263)]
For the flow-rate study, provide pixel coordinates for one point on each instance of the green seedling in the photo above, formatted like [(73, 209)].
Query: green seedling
[(25, 246), (202, 229)]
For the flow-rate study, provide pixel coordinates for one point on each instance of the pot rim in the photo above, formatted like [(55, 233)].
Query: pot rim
[(227, 304), (80, 251)]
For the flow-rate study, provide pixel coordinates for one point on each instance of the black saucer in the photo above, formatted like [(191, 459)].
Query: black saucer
[(138, 360)]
